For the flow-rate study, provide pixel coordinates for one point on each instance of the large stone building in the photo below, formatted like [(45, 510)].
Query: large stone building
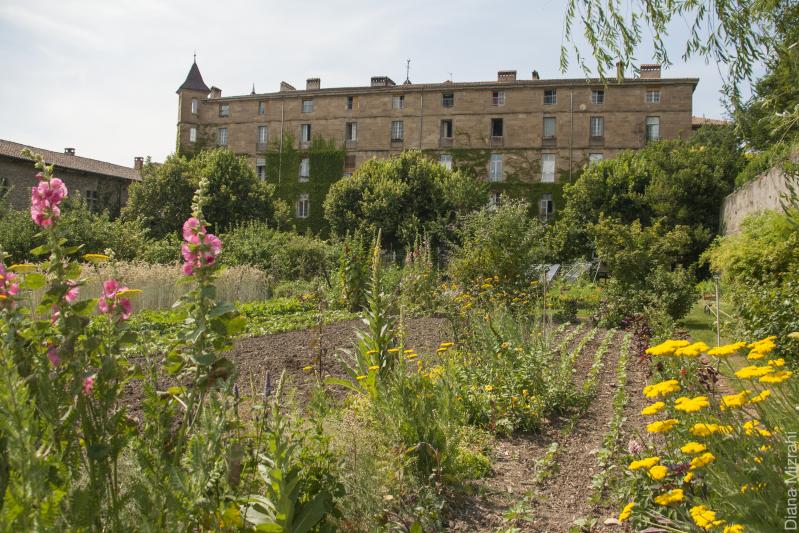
[(525, 136), (103, 185)]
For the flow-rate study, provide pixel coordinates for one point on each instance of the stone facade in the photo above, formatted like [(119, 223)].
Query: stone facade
[(504, 119), (103, 185)]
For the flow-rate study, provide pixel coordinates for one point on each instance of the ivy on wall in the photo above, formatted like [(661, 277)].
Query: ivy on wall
[(326, 166)]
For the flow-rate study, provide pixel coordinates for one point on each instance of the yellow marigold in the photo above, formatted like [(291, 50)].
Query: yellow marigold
[(667, 348), (753, 427), (664, 388), (658, 472), (662, 426), (692, 350), (704, 517), (688, 477), (693, 448), (761, 348), (703, 430), (702, 460), (647, 463), (653, 409), (726, 349), (760, 397), (691, 405), (735, 400), (753, 371), (733, 528), (777, 377), (776, 362), (672, 496), (626, 512)]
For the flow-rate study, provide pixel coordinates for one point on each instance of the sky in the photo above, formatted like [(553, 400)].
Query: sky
[(101, 75)]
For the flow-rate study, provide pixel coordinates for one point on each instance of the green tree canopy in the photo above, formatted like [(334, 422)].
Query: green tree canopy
[(162, 200), (403, 196)]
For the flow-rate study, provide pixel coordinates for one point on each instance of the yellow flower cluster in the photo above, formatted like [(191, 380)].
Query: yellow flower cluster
[(626, 512), (693, 448), (753, 371), (672, 496), (653, 409), (692, 350), (704, 430), (726, 349), (777, 377), (691, 405), (647, 463), (759, 349), (702, 460), (662, 426), (658, 472), (664, 388), (667, 348), (753, 427), (735, 400), (703, 517), (733, 528)]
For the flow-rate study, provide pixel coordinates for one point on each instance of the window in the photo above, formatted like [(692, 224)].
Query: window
[(305, 169), (446, 161), (498, 98), (92, 200), (397, 130), (262, 134), (350, 101), (303, 206), (594, 157), (495, 172), (653, 96), (352, 131), (194, 105), (597, 97), (305, 133), (652, 128), (548, 168), (398, 102), (260, 168), (221, 136), (307, 105), (446, 129), (224, 110), (597, 126), (261, 108), (546, 207), (549, 127), (494, 199), (192, 134), (550, 97), (448, 99), (496, 127)]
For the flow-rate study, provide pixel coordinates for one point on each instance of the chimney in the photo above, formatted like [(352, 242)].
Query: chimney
[(138, 162), (651, 71), (312, 84), (286, 87), (506, 75), (382, 81), (69, 151), (535, 75), (216, 92)]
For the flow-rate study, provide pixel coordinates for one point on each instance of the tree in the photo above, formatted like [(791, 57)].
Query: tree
[(162, 200), (402, 196)]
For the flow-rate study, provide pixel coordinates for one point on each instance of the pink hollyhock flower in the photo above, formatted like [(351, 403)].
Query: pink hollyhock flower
[(88, 385), (52, 355), (8, 287), (110, 302), (55, 313), (190, 228), (72, 293), (200, 249), (46, 200)]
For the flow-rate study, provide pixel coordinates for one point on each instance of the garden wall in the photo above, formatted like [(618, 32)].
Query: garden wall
[(760, 194)]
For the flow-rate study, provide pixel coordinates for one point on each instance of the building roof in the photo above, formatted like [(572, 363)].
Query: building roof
[(194, 81), (554, 82), (72, 162), (698, 122)]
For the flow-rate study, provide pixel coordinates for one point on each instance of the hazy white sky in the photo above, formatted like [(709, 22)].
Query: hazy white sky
[(101, 75)]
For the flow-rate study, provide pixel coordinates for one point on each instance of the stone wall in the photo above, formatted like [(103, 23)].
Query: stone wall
[(760, 194)]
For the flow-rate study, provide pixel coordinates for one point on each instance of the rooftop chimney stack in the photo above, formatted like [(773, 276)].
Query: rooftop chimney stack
[(312, 84), (382, 81), (651, 71), (69, 151), (506, 75), (138, 162), (535, 75), (216, 92)]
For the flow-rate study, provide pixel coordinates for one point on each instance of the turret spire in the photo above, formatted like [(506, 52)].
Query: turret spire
[(194, 80)]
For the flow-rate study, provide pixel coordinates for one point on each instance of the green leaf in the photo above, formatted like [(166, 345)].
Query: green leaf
[(222, 308), (41, 250), (236, 325), (34, 281), (310, 514)]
